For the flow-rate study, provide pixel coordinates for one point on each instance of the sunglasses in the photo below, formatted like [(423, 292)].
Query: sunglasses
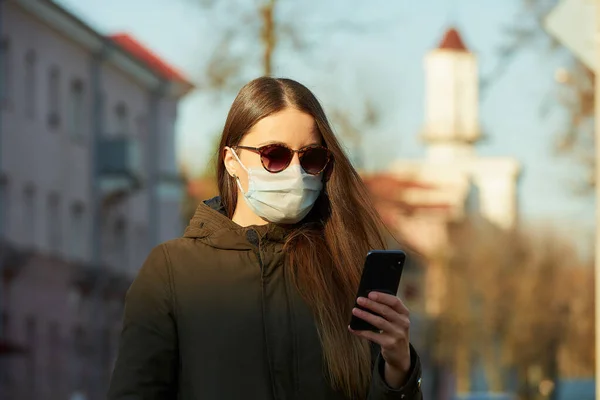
[(277, 157)]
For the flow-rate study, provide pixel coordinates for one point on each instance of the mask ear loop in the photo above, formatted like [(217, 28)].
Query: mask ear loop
[(237, 178)]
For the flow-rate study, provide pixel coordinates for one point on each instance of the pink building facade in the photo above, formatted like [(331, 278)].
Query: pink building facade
[(88, 185)]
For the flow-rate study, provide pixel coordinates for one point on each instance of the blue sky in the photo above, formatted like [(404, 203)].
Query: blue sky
[(380, 57)]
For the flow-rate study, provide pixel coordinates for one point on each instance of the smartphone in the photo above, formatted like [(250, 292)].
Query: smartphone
[(381, 273)]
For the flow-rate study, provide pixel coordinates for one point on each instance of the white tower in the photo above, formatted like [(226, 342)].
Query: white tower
[(452, 129), (452, 99)]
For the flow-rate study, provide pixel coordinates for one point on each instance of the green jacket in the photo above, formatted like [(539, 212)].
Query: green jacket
[(214, 316)]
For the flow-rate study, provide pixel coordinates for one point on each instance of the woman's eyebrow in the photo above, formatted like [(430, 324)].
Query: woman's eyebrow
[(270, 142)]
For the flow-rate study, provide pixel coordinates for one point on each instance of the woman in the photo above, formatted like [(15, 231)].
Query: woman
[(254, 301)]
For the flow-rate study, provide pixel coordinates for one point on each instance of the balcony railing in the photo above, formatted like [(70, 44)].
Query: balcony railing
[(118, 157), (119, 168)]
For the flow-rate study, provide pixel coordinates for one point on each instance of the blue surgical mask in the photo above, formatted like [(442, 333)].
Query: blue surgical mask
[(285, 197)]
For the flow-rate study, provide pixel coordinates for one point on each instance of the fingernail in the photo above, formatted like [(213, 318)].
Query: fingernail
[(373, 296), (361, 300)]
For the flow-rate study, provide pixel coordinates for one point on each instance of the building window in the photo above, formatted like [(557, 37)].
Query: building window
[(54, 227), (76, 110), (31, 337), (6, 377), (106, 355), (141, 133), (77, 232), (29, 213), (54, 97), (30, 86), (141, 127), (120, 241), (53, 362), (5, 324), (5, 71), (79, 355), (4, 207), (122, 118)]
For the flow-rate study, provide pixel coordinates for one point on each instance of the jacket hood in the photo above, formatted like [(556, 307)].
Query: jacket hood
[(211, 225)]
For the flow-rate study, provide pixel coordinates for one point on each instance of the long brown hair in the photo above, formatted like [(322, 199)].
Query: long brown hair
[(327, 250)]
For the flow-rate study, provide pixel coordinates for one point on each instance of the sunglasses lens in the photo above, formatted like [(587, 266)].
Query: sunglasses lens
[(276, 158), (314, 160)]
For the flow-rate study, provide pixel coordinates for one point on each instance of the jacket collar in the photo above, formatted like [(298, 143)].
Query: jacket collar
[(211, 225)]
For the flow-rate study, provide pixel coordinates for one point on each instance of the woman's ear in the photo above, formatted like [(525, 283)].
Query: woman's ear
[(230, 161)]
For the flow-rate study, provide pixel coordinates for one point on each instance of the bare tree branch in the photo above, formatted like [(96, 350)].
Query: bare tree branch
[(526, 32), (574, 94)]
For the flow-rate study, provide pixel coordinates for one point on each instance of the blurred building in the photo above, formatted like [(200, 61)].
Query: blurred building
[(88, 185), (458, 181), (458, 177)]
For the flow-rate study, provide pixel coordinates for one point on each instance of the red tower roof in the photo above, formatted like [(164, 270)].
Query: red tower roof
[(452, 41), (146, 56)]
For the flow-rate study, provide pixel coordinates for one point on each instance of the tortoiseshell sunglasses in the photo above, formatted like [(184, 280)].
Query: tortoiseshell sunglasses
[(277, 157)]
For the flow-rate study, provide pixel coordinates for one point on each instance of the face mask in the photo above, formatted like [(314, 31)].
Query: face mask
[(285, 197)]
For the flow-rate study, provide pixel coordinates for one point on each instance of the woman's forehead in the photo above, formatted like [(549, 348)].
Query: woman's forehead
[(290, 126)]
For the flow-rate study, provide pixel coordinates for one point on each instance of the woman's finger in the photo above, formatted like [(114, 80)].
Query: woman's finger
[(389, 300), (377, 321), (381, 339), (384, 310)]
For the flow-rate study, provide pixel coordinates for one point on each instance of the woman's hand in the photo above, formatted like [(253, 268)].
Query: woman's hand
[(393, 337)]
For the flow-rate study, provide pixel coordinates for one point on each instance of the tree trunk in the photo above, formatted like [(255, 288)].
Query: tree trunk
[(268, 35), (463, 370), (493, 369), (553, 373), (524, 390)]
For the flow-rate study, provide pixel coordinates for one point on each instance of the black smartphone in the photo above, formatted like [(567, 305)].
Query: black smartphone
[(381, 273)]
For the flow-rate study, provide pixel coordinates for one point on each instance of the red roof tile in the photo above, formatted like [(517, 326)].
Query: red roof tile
[(390, 182), (145, 55), (452, 41), (387, 190)]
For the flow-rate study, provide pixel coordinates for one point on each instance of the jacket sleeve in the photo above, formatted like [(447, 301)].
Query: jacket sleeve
[(147, 362), (411, 390)]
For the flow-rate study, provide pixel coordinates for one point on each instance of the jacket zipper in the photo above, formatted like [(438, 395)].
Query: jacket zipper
[(264, 313), (260, 261)]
